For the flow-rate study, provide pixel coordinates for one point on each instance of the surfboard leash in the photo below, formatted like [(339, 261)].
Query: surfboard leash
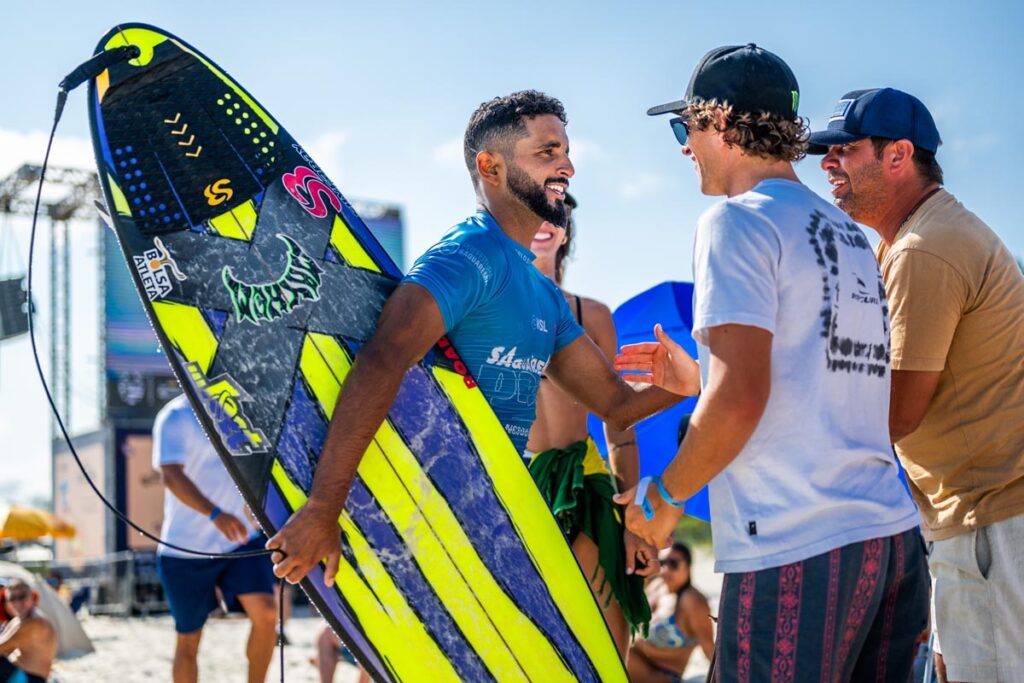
[(88, 70)]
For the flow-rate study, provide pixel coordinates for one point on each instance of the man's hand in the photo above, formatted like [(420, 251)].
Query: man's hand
[(641, 557), (231, 528), (668, 365), (311, 535), (658, 530)]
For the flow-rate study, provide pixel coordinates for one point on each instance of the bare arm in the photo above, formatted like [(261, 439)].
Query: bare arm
[(623, 453), (21, 634), (910, 396), (739, 383), (410, 324), (583, 372), (185, 490), (693, 610)]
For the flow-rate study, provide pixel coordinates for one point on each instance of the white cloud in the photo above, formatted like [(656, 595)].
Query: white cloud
[(17, 148), (643, 185), (449, 153), (971, 143)]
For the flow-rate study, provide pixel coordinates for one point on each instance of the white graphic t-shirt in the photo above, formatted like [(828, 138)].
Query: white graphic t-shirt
[(178, 439), (818, 472)]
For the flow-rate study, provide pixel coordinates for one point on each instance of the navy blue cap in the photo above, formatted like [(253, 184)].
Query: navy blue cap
[(748, 77), (881, 112)]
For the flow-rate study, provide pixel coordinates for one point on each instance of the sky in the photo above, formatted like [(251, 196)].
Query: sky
[(379, 93)]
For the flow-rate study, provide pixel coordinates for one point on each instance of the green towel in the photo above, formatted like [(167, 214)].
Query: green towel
[(582, 503)]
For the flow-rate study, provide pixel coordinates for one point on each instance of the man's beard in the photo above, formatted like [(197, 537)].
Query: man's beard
[(534, 196), (866, 195)]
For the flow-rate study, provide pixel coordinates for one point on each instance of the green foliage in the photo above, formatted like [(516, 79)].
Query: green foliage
[(693, 532)]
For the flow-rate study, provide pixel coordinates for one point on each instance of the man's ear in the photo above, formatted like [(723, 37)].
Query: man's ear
[(489, 167), (899, 155)]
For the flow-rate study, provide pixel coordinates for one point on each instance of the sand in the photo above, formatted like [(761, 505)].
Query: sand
[(141, 648)]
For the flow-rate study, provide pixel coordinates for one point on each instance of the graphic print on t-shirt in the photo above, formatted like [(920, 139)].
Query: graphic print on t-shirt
[(842, 289)]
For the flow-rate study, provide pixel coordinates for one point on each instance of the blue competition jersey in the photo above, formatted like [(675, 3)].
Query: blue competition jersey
[(504, 316)]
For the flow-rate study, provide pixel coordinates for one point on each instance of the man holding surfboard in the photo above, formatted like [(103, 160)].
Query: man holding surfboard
[(825, 573), (479, 287)]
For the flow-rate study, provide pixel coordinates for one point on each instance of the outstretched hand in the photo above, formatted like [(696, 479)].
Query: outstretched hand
[(663, 363)]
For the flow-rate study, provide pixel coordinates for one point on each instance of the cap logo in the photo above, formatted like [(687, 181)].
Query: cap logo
[(839, 113), (796, 99)]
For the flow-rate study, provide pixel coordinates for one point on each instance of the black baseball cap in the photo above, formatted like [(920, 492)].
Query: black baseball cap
[(748, 77), (880, 112)]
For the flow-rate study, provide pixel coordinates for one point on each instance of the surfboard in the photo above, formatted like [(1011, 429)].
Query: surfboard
[(261, 283)]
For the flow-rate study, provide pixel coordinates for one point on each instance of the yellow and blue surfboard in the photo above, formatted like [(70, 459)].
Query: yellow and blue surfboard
[(262, 282)]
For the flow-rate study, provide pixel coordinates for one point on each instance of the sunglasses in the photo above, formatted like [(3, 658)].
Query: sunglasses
[(680, 128), (18, 597), (671, 564)]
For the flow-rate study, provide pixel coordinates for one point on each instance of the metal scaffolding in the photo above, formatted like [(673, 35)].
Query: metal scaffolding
[(70, 194)]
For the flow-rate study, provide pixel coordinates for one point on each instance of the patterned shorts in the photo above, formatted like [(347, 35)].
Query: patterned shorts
[(851, 614)]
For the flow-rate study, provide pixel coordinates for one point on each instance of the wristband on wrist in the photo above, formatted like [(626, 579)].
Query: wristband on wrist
[(666, 496), (214, 513), (645, 504)]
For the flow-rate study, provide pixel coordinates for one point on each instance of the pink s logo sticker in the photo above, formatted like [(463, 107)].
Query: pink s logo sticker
[(310, 191)]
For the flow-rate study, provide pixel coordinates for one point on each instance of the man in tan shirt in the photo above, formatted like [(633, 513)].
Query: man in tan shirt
[(956, 299)]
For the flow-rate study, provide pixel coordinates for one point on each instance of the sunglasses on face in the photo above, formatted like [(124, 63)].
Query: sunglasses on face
[(680, 128), (671, 564), (18, 597)]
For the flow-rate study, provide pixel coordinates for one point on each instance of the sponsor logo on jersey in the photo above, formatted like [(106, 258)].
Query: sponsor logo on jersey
[(508, 359)]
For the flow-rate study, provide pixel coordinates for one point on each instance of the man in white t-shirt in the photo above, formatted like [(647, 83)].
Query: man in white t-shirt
[(825, 574), (204, 511)]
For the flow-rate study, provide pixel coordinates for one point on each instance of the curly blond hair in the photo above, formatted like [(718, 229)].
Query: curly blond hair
[(768, 136)]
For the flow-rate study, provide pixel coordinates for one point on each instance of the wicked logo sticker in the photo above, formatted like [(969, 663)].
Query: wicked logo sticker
[(299, 282)]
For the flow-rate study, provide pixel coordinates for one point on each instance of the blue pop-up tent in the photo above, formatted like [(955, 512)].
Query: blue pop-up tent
[(671, 304)]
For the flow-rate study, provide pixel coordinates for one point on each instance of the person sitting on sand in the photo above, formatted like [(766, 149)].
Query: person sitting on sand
[(329, 651), (28, 643), (681, 621)]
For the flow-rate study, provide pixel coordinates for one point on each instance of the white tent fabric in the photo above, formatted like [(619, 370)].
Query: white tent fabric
[(72, 641)]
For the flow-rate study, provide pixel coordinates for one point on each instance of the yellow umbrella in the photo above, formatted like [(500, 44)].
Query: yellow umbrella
[(25, 524)]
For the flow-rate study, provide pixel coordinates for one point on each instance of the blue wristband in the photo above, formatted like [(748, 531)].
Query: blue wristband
[(666, 496), (645, 504), (641, 498), (214, 513)]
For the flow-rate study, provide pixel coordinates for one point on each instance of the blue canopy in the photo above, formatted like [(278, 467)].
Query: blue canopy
[(671, 304)]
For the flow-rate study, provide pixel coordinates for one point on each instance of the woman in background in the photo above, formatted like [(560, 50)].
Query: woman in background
[(680, 621), (571, 474)]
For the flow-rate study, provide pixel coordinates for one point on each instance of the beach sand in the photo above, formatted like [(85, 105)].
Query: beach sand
[(141, 648)]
